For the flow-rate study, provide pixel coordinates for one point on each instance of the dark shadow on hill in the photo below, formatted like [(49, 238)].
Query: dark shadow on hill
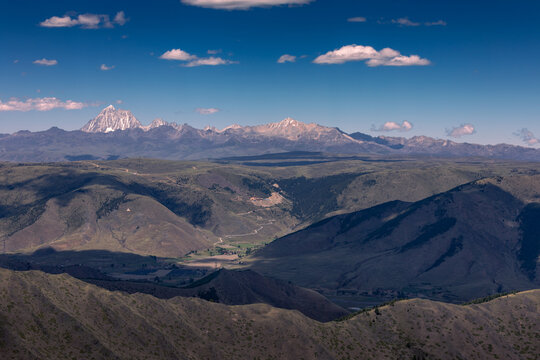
[(472, 241), (107, 269)]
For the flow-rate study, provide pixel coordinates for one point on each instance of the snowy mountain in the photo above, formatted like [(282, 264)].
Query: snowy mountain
[(155, 124), (118, 134), (111, 119)]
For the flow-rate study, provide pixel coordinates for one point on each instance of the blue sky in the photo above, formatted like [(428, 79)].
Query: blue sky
[(477, 64)]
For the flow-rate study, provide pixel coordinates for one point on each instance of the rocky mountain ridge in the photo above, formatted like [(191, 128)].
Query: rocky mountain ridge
[(118, 134), (111, 119)]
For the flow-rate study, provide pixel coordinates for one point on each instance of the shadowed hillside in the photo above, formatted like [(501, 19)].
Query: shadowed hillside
[(248, 287), (58, 317), (228, 287), (472, 241)]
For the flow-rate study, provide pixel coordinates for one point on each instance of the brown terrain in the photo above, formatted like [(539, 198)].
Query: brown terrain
[(58, 317)]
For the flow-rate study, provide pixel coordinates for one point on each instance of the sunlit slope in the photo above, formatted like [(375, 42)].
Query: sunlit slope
[(58, 317), (170, 208), (163, 212)]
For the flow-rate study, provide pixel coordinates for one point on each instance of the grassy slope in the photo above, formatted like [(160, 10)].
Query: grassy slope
[(58, 317)]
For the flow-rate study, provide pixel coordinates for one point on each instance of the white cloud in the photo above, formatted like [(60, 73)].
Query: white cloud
[(462, 130), (177, 54), (436, 23), (527, 137), (206, 111), (120, 18), (286, 58), (94, 21), (405, 22), (357, 19), (104, 67), (394, 126), (46, 62), (210, 61), (413, 60), (40, 104), (214, 52), (194, 60), (384, 57), (242, 4), (85, 21), (347, 53), (56, 21)]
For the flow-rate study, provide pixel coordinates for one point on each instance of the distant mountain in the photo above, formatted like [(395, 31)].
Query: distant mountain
[(110, 119), (156, 123), (472, 241), (56, 316), (118, 134)]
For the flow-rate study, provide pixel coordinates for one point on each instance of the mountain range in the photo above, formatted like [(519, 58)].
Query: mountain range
[(118, 134)]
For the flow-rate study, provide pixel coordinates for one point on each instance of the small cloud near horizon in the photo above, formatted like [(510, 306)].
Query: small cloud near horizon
[(358, 19), (286, 58), (40, 104), (194, 60), (46, 62), (436, 23), (242, 4), (85, 21), (104, 67), (462, 130), (527, 137), (372, 57), (207, 111), (394, 126), (405, 21)]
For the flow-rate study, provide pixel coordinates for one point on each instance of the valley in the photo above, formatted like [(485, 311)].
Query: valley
[(316, 220), (323, 235), (269, 180)]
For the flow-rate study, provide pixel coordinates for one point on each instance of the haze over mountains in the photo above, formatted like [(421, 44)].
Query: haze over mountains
[(118, 134)]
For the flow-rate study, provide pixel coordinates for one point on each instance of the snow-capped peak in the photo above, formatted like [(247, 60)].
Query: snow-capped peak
[(111, 119), (289, 122)]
